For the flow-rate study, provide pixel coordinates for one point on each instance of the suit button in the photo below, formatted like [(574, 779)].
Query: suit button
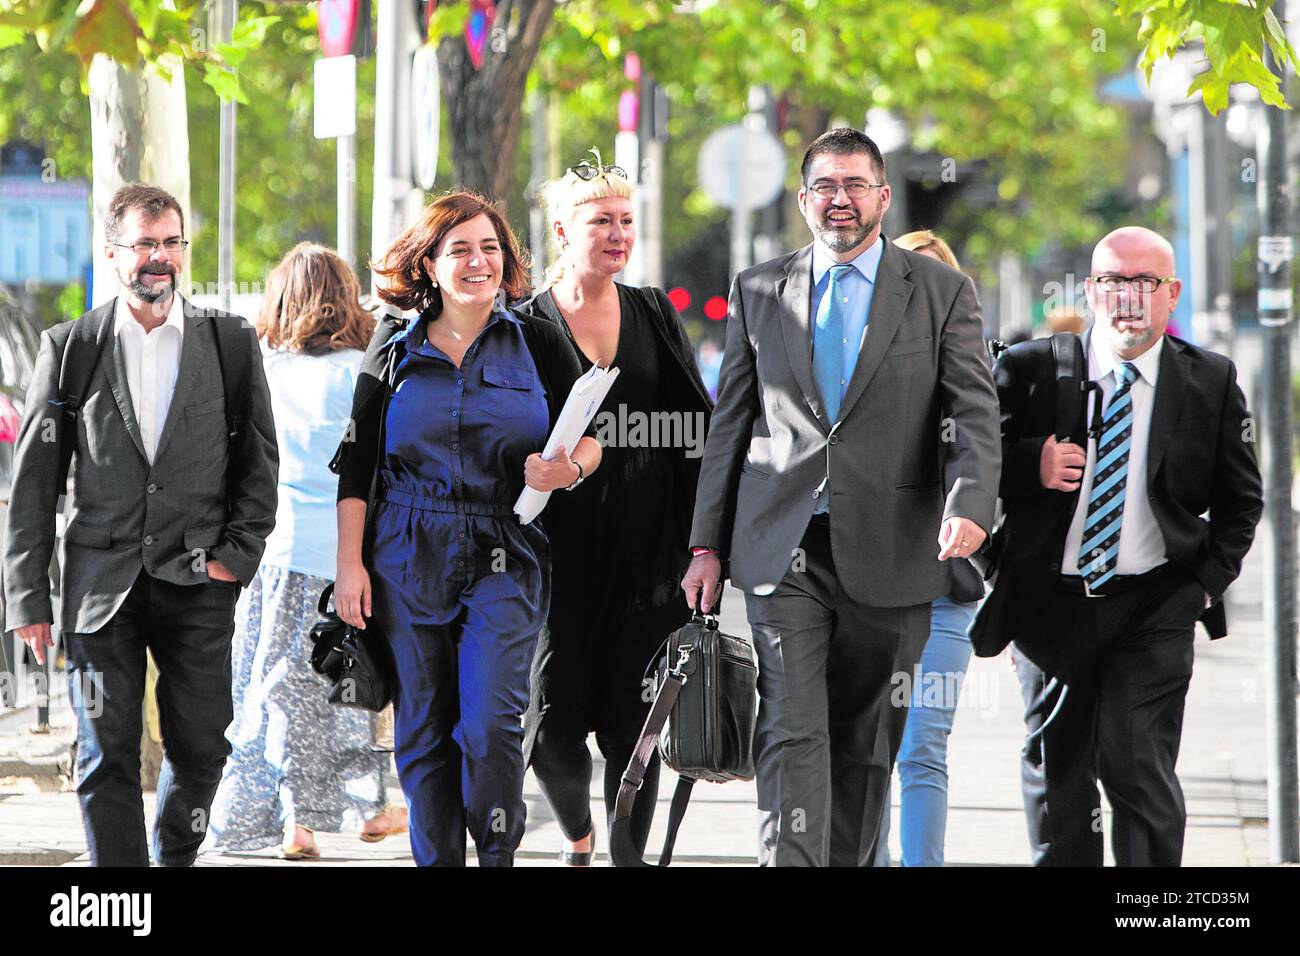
[(150, 488), (1054, 566), (148, 539), (833, 440)]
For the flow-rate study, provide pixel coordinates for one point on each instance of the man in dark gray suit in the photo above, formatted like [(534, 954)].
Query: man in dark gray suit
[(856, 420), (166, 516)]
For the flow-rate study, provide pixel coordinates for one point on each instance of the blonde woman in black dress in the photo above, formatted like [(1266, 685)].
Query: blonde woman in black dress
[(619, 542)]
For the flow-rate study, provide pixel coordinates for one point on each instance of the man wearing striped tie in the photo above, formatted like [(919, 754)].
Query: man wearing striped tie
[(1110, 559)]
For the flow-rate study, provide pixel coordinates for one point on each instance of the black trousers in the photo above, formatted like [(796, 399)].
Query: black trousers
[(1119, 720), (589, 675), (188, 630)]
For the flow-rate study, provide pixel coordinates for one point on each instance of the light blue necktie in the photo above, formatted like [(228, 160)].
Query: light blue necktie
[(828, 343), (1099, 551)]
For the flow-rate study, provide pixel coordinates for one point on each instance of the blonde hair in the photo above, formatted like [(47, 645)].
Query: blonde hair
[(923, 240), (313, 303), (561, 196)]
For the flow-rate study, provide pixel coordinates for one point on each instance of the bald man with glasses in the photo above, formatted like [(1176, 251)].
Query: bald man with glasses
[(1109, 560)]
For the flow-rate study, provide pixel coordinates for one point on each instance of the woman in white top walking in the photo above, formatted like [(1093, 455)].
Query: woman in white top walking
[(299, 764)]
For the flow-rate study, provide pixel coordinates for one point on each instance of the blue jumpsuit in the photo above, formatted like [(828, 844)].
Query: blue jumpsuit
[(461, 589)]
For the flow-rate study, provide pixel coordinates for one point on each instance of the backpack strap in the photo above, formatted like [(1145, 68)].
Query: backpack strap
[(234, 339), (84, 343), (1071, 384)]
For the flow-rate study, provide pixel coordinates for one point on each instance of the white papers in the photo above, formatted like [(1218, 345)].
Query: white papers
[(579, 409)]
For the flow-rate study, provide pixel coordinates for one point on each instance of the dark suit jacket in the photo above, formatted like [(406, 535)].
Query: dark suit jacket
[(917, 441), (1199, 459), (123, 513)]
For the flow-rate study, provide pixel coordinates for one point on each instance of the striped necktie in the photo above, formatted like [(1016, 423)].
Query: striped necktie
[(1100, 547), (828, 343)]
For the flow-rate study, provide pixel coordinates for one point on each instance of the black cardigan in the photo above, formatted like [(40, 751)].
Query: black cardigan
[(358, 453)]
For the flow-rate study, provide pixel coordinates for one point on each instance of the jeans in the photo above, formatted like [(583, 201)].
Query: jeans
[(923, 754)]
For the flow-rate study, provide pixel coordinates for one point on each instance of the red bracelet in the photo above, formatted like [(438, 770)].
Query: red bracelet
[(696, 552)]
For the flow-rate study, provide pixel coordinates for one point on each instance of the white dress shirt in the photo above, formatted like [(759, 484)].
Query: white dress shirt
[(1141, 545), (152, 363)]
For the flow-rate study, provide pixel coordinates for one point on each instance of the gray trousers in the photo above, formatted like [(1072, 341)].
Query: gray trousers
[(834, 684)]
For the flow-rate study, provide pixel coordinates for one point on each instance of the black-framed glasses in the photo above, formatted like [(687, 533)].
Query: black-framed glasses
[(854, 190), (146, 247), (587, 172), (1143, 284)]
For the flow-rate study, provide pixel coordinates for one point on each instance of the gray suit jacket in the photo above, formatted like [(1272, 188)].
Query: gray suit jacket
[(919, 422), (122, 514)]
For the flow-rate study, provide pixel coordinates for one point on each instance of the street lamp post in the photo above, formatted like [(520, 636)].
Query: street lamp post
[(1276, 249)]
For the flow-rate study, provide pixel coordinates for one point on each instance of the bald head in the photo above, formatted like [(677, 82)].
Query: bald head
[(1140, 250), (1129, 319)]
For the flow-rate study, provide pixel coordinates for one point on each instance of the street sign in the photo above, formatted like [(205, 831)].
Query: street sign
[(44, 230), (478, 29), (336, 25), (335, 94), (425, 116), (736, 163)]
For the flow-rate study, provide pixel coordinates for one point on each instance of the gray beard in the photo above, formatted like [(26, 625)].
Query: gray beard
[(1125, 341), (838, 240)]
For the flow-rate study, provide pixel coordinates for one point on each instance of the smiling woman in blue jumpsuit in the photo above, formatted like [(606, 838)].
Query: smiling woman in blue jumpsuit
[(450, 578)]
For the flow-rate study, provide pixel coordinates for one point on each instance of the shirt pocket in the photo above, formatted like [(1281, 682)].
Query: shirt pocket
[(506, 391)]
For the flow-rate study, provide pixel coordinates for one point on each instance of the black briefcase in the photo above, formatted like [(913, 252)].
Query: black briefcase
[(703, 719), (710, 730)]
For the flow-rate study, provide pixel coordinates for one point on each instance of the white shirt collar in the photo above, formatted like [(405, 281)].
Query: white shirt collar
[(122, 316), (1147, 364), (867, 262)]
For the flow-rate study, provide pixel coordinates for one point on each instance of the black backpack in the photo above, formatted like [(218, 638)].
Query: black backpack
[(84, 341), (1072, 388)]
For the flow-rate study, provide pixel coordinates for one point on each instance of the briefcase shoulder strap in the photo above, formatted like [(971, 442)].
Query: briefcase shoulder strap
[(622, 849)]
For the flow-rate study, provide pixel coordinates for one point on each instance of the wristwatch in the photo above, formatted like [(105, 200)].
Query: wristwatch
[(581, 476)]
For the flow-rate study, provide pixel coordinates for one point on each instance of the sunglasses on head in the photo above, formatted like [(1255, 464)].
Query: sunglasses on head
[(587, 171)]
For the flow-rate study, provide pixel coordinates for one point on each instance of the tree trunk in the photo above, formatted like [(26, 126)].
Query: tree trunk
[(139, 133), (485, 106)]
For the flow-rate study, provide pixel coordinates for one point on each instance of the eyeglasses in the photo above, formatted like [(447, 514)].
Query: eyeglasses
[(854, 190), (146, 247), (1144, 284), (587, 172)]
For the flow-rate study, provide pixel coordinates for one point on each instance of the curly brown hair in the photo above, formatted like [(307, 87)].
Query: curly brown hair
[(410, 287), (313, 303)]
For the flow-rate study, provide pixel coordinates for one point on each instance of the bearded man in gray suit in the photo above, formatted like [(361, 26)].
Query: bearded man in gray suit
[(856, 421), (167, 515)]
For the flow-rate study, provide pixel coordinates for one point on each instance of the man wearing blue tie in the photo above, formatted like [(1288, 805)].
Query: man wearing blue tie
[(856, 424), (1110, 559)]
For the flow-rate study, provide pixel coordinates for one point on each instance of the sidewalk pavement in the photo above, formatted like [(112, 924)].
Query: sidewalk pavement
[(1222, 768)]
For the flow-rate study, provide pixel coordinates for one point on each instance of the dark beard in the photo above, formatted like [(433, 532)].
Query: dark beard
[(147, 293)]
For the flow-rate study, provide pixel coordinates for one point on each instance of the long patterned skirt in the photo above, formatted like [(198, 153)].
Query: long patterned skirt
[(296, 759)]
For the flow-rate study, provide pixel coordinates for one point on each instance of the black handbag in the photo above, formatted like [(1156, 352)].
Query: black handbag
[(350, 659), (702, 718)]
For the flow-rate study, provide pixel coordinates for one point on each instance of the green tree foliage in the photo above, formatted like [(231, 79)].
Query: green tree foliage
[(1234, 34), (1011, 83)]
